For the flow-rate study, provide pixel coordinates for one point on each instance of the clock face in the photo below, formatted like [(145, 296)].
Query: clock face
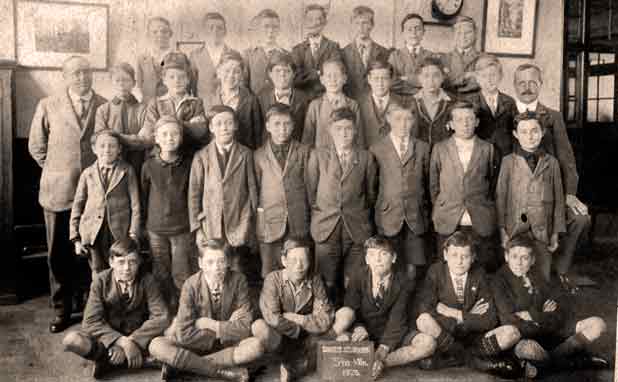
[(448, 7)]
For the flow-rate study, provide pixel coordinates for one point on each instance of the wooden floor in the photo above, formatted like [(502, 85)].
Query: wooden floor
[(28, 352)]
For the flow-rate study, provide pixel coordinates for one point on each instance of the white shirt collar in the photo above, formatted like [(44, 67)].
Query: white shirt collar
[(227, 147), (76, 97), (384, 99), (413, 49), (522, 107), (315, 40), (375, 282), (490, 96), (212, 285), (442, 95), (367, 43), (463, 142), (464, 277)]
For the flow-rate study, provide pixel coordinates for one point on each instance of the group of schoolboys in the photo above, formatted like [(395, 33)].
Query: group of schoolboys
[(352, 141)]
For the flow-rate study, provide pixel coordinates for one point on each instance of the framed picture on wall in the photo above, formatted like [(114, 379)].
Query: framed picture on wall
[(48, 32), (510, 27)]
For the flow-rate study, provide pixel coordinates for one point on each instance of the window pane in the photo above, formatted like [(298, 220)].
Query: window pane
[(573, 29), (592, 111), (606, 110), (606, 87), (592, 87), (571, 111), (571, 86), (608, 58), (593, 58)]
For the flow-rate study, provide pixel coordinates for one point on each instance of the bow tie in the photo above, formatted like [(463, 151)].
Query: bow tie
[(130, 99)]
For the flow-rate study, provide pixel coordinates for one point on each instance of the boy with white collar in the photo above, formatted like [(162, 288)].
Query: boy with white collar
[(148, 76)]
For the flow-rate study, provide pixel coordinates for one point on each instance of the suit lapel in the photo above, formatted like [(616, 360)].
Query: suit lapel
[(95, 174), (116, 177), (67, 109), (541, 166), (476, 155), (213, 159), (90, 115), (243, 98), (227, 297), (274, 163), (233, 162), (353, 162), (452, 152), (393, 291), (205, 292), (410, 153), (501, 107), (291, 157)]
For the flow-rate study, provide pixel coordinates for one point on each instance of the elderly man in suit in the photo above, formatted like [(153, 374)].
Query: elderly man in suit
[(211, 334), (528, 80), (60, 143)]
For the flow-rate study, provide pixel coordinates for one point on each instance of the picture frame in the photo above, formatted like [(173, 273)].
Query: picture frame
[(510, 27), (49, 32)]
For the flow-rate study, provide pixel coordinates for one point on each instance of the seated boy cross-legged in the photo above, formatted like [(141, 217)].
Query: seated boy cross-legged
[(211, 334), (124, 312), (525, 300), (296, 312), (376, 308), (457, 310)]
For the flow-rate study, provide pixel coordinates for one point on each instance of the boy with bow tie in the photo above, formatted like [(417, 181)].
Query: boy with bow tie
[(457, 309), (125, 311), (310, 54), (211, 334), (124, 115), (546, 334), (106, 206), (376, 309), (529, 194)]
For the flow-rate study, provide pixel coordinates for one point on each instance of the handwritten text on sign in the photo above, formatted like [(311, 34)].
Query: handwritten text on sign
[(345, 361)]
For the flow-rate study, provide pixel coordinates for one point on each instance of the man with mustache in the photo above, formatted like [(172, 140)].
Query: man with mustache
[(60, 143), (528, 81)]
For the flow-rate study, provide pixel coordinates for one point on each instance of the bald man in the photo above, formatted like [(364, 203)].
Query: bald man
[(528, 81), (60, 143)]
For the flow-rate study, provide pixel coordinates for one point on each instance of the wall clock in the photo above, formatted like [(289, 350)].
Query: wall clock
[(445, 9)]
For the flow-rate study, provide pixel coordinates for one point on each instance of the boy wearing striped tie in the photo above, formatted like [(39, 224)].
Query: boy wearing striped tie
[(376, 309), (457, 309), (211, 334)]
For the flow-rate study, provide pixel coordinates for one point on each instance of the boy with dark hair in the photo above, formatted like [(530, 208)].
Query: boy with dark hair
[(548, 337), (342, 186), (283, 206), (361, 51), (211, 334), (296, 311), (457, 309), (310, 54), (125, 311), (529, 194), (106, 207), (376, 309)]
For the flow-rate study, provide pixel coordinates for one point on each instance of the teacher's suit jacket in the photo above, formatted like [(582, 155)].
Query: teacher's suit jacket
[(373, 122), (307, 77), (357, 84), (282, 193), (496, 128), (60, 144), (223, 204), (119, 204), (453, 190), (336, 195)]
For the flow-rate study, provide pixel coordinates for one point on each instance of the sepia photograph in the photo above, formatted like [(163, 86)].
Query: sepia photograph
[(313, 190)]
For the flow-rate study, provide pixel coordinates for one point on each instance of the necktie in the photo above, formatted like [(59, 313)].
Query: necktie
[(315, 45), (344, 161), (225, 155), (381, 292), (528, 284), (215, 293), (105, 174), (459, 289), (403, 148), (124, 291), (82, 107), (364, 53)]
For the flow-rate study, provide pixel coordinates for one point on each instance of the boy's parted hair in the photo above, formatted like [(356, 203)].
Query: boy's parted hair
[(204, 244), (278, 109), (394, 106), (123, 67), (432, 60), (218, 109), (214, 16), (527, 116), (411, 16), (316, 7), (377, 64), (107, 133), (363, 10), (124, 247), (460, 239), (177, 60), (337, 61), (527, 66), (341, 114), (462, 105), (231, 56), (158, 19), (379, 242), (280, 58), (267, 14), (167, 120), (486, 60), (463, 20), (294, 243), (522, 240)]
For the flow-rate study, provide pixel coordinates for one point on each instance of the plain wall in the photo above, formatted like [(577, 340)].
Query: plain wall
[(128, 24)]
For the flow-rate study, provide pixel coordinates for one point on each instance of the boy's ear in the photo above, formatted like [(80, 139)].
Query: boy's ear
[(515, 133)]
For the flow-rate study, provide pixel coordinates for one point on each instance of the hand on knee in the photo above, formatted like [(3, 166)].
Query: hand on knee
[(507, 336), (592, 328), (344, 318), (425, 343)]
